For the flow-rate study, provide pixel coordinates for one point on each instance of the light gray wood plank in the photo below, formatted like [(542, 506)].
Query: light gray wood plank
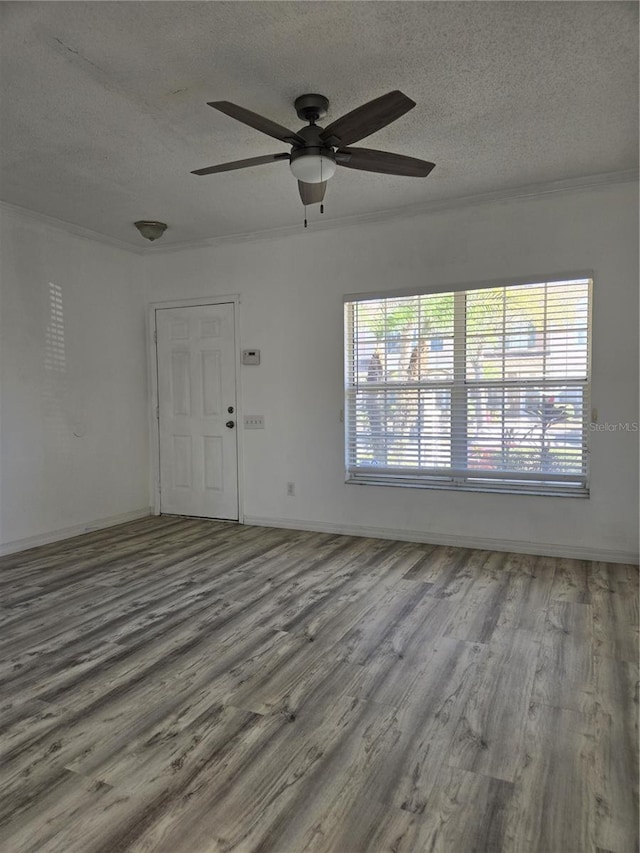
[(552, 808), (616, 755), (614, 632), (488, 737), (526, 598), (466, 812), (450, 570), (605, 577), (571, 581), (564, 675), (479, 609), (428, 715)]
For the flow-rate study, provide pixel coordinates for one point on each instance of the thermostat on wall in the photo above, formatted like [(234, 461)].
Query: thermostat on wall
[(251, 356)]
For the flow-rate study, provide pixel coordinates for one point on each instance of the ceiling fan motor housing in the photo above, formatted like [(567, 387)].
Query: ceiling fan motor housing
[(314, 162)]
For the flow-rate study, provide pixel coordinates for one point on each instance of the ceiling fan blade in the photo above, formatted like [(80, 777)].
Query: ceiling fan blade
[(258, 122), (366, 119), (240, 164), (368, 160), (312, 193)]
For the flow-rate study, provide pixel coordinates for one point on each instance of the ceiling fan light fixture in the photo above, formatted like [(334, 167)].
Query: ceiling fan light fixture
[(313, 165), (150, 229)]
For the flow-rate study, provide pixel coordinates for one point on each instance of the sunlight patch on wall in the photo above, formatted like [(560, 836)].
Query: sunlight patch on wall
[(55, 362), (55, 357)]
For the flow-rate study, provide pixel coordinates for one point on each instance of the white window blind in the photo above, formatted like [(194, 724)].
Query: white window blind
[(485, 388)]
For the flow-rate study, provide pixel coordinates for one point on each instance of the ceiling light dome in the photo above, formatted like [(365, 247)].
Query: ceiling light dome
[(150, 229), (313, 165)]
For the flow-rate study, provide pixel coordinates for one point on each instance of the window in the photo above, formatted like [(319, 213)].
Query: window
[(478, 389)]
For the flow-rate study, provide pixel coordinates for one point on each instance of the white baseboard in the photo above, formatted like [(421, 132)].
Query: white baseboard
[(514, 546), (511, 545), (76, 530)]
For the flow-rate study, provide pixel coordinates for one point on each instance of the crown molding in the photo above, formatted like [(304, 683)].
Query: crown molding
[(70, 228), (569, 185)]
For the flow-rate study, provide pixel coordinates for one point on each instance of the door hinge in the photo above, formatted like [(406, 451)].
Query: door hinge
[(155, 335), (157, 413)]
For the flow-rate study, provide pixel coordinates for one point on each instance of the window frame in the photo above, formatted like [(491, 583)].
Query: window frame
[(457, 478)]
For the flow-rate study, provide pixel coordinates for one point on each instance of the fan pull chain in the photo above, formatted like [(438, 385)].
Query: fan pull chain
[(305, 216), (321, 208)]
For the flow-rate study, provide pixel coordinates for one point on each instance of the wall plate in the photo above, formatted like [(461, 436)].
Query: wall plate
[(251, 356)]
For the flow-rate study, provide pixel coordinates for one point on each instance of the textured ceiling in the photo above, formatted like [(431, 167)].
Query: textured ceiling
[(104, 104)]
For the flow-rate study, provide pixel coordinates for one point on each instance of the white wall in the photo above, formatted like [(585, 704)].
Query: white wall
[(73, 428), (292, 288)]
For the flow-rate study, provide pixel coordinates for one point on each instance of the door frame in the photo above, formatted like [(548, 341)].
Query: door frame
[(153, 409)]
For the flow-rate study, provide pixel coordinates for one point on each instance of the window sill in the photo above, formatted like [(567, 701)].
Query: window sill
[(502, 488)]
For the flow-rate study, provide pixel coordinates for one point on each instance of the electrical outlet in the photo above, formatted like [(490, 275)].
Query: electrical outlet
[(253, 421), (291, 489)]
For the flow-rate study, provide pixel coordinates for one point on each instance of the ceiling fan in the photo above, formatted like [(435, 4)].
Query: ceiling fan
[(316, 151)]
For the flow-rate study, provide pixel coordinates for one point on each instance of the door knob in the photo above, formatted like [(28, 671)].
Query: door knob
[(230, 424)]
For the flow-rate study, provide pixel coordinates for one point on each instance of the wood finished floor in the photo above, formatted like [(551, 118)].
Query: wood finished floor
[(188, 686)]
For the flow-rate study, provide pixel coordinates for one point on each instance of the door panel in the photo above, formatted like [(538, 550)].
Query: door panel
[(211, 390), (196, 386), (180, 382)]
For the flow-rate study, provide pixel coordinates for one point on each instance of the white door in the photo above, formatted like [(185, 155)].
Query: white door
[(197, 411)]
